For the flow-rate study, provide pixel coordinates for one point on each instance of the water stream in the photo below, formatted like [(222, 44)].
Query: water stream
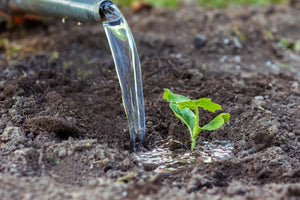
[(128, 67)]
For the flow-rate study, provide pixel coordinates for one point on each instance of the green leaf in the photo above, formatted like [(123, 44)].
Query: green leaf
[(297, 45), (217, 122), (187, 104), (204, 103), (185, 115), (174, 98), (285, 43)]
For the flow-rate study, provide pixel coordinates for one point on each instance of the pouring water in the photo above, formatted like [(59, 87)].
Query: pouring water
[(128, 67)]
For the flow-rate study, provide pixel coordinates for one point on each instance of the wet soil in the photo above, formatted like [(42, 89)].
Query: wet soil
[(63, 130)]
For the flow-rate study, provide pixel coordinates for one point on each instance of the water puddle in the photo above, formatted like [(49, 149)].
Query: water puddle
[(166, 161), (128, 67)]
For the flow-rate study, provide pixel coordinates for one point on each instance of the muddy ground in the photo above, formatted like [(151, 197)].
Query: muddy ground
[(64, 131)]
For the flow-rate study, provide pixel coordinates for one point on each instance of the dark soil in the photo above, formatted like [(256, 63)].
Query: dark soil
[(63, 130)]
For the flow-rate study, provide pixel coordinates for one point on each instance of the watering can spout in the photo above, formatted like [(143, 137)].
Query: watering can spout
[(80, 10)]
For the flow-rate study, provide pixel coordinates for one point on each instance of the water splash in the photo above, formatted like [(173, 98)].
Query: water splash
[(165, 161), (128, 67)]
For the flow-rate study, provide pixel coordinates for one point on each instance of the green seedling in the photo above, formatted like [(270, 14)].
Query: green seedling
[(297, 45), (286, 44), (54, 55), (289, 45), (182, 107)]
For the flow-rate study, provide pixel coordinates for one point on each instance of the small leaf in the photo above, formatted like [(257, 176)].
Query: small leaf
[(217, 122), (174, 98), (285, 43), (204, 103), (191, 104), (54, 55), (297, 45), (185, 115)]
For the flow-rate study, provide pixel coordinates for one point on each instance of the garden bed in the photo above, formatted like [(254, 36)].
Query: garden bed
[(64, 131)]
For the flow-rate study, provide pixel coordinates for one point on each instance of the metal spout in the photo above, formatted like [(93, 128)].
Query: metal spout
[(81, 10)]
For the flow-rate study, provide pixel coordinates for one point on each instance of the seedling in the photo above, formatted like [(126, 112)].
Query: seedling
[(289, 45), (182, 107)]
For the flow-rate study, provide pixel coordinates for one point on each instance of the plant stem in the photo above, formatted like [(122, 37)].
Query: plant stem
[(193, 144), (196, 129)]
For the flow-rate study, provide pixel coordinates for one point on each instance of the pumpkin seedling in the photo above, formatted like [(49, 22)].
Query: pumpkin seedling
[(182, 107)]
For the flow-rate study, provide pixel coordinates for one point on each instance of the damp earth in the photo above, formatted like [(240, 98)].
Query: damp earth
[(64, 132)]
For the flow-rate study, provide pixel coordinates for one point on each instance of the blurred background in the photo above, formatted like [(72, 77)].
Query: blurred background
[(207, 3)]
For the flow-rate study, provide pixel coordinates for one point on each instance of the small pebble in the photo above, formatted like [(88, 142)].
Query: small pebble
[(237, 43), (223, 58), (258, 102), (291, 135), (237, 59), (226, 41), (208, 160), (200, 41), (62, 153), (12, 133)]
